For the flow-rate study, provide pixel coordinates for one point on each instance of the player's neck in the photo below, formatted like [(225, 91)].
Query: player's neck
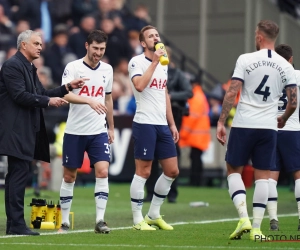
[(149, 54), (267, 46), (88, 62)]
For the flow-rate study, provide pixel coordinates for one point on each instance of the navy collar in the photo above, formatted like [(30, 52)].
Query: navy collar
[(90, 66), (148, 58)]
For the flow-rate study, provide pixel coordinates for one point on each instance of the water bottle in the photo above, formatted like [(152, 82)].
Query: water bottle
[(164, 59)]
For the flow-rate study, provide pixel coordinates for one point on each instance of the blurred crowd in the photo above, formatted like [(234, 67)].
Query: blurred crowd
[(65, 25)]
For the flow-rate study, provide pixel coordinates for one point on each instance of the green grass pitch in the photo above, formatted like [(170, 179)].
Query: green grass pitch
[(194, 227)]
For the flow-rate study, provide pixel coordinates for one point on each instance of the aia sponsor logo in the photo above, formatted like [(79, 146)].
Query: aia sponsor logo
[(91, 91), (158, 84)]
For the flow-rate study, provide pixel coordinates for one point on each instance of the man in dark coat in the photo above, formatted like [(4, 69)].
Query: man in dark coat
[(22, 129)]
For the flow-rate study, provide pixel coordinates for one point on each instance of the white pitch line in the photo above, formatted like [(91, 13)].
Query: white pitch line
[(124, 228), (144, 246)]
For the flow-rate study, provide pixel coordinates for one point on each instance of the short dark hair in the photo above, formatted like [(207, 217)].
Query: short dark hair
[(269, 28), (98, 36), (285, 51), (148, 27)]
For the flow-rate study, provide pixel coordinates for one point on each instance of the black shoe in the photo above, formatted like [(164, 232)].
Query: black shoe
[(25, 231)]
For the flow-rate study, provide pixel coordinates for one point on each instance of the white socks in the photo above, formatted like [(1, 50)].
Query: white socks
[(161, 190), (260, 198), (101, 196), (66, 197), (137, 197), (297, 194), (272, 200), (237, 193)]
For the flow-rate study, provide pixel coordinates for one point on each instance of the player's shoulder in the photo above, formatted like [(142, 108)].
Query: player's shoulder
[(76, 62), (297, 75), (138, 58), (105, 66), (136, 61)]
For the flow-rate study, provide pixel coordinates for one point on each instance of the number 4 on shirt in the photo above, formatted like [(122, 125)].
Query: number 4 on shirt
[(265, 93)]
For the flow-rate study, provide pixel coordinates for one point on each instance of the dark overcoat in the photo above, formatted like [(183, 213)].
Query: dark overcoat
[(22, 97)]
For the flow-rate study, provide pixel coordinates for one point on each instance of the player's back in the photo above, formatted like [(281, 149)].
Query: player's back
[(265, 74)]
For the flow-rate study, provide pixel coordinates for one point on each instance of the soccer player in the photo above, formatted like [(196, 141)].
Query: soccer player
[(262, 75), (288, 147), (86, 128), (153, 129)]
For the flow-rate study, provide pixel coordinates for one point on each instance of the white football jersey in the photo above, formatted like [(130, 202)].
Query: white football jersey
[(151, 102), (264, 74), (82, 119), (292, 124)]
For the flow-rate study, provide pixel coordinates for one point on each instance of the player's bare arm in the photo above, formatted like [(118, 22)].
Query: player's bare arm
[(170, 118), (228, 102), (229, 99), (110, 118), (141, 82), (76, 99), (291, 93)]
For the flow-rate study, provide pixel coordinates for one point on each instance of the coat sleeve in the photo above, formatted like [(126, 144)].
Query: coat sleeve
[(14, 80)]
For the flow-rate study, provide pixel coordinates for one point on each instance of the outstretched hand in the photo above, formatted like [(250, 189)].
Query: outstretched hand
[(57, 101), (78, 83)]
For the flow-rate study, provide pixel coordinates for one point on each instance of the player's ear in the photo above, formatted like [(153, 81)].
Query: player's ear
[(143, 44), (86, 45)]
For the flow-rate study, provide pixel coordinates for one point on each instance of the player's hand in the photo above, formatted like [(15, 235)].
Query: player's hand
[(157, 54), (175, 134), (57, 101), (98, 107), (221, 133), (78, 83), (111, 136), (280, 122)]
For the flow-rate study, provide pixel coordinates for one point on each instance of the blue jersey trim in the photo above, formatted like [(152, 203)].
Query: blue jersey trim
[(291, 85), (269, 53), (236, 78), (135, 76), (148, 58), (90, 66)]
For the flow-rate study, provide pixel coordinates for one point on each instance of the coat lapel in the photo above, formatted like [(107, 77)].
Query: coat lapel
[(29, 68)]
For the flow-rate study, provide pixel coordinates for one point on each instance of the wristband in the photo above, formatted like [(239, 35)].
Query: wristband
[(69, 87)]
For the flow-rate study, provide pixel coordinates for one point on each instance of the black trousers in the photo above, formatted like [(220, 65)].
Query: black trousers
[(15, 184), (155, 173), (196, 174)]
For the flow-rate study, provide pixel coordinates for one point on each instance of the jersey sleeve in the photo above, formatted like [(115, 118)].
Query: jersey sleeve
[(297, 75), (290, 77), (238, 73), (108, 88), (68, 74), (134, 68)]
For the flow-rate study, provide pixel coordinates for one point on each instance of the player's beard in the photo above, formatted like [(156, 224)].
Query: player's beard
[(93, 59), (150, 48)]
